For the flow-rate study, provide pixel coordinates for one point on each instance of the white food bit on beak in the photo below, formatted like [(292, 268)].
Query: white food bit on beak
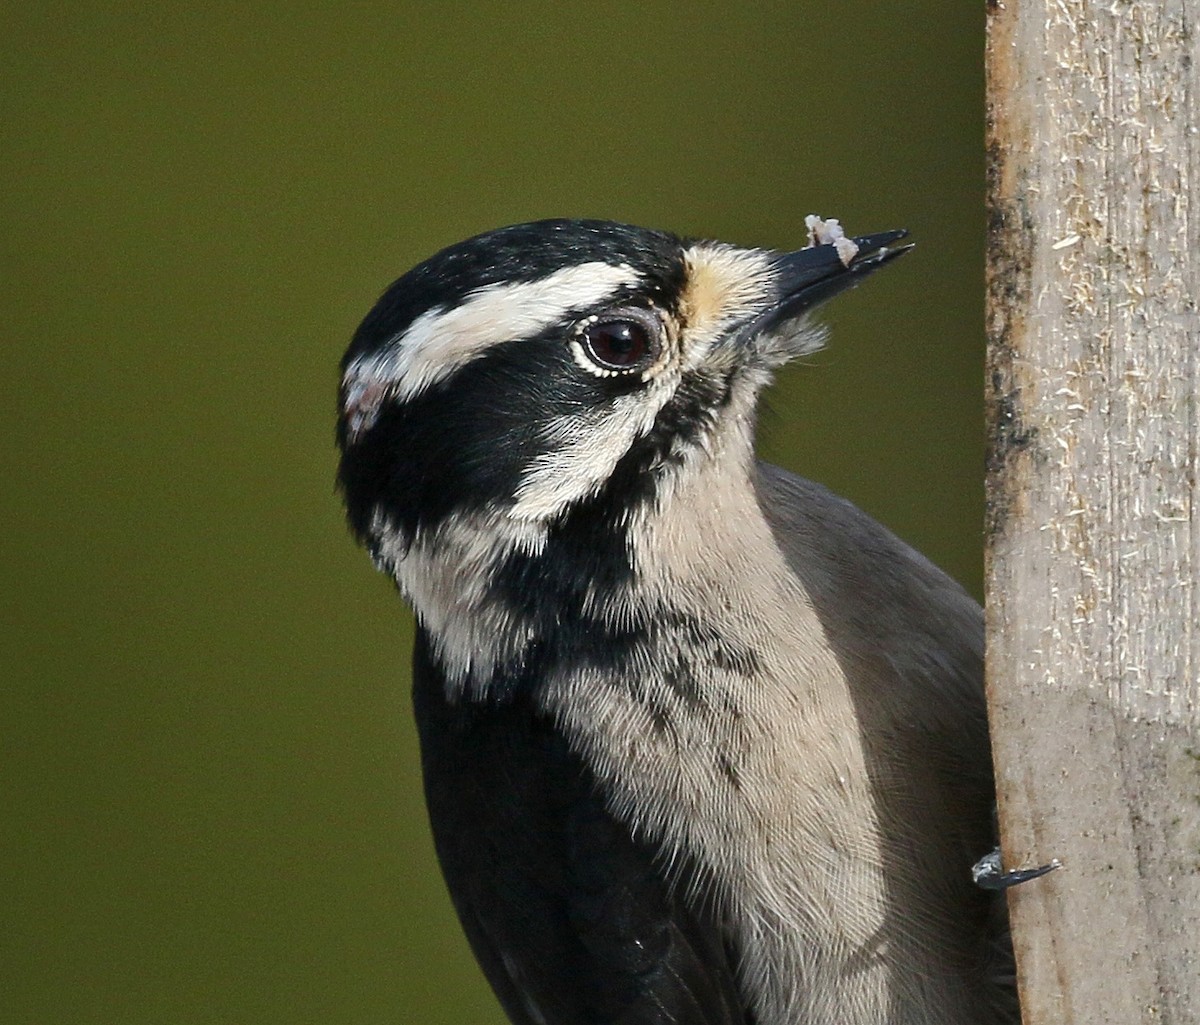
[(830, 233), (847, 250)]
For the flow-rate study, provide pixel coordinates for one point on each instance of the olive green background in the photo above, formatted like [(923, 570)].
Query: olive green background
[(210, 800)]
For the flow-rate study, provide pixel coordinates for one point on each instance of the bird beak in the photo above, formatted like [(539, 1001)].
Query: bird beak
[(809, 276)]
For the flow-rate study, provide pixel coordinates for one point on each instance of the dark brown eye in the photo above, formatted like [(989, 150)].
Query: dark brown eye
[(617, 344)]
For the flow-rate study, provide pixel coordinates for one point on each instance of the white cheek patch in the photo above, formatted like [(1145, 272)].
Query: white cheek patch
[(725, 285), (441, 341), (585, 450)]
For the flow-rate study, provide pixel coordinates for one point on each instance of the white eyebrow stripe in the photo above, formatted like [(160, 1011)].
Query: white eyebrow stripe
[(441, 340)]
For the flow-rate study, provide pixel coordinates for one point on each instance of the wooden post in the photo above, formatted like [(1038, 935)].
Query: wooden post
[(1093, 576)]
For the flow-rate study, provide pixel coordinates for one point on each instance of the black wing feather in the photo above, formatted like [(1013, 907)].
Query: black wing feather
[(569, 914)]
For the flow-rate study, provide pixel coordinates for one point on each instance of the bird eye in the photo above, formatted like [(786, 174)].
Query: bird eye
[(617, 345)]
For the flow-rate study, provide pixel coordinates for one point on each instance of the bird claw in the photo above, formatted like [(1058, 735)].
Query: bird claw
[(988, 872)]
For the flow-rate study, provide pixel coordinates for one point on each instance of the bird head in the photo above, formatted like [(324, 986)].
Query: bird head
[(562, 368)]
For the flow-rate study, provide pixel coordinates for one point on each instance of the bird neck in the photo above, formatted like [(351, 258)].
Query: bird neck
[(507, 605)]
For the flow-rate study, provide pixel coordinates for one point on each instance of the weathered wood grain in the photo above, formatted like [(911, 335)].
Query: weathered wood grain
[(1093, 576)]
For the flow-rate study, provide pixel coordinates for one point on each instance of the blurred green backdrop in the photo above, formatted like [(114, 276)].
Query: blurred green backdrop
[(211, 809)]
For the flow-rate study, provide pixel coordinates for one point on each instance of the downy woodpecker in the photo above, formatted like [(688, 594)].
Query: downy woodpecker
[(703, 744)]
